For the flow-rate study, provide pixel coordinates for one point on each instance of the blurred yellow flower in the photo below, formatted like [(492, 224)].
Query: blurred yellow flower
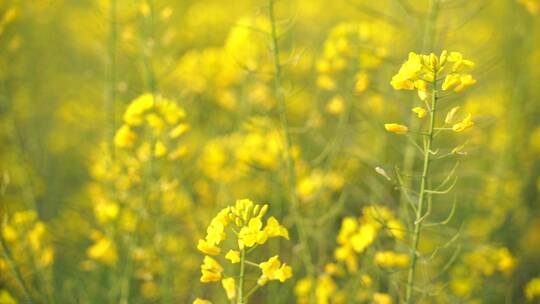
[(421, 112), (396, 128), (230, 287), (336, 105), (103, 250), (124, 137), (465, 124), (532, 289), (391, 259), (382, 298)]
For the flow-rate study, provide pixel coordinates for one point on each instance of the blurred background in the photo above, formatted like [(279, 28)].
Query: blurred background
[(93, 212)]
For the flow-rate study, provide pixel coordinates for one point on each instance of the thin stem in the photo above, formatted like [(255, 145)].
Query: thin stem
[(414, 123), (421, 198), (249, 293), (16, 273), (241, 278), (289, 162), (110, 86)]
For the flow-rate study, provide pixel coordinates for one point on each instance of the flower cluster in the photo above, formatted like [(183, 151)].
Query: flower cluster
[(479, 265), (164, 119), (27, 232), (422, 73), (350, 45), (243, 222), (532, 289), (356, 235), (28, 244)]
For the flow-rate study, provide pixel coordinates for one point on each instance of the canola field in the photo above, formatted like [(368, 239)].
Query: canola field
[(269, 151)]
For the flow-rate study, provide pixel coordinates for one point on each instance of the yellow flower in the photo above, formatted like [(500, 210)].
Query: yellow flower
[(421, 112), (252, 234), (106, 211), (464, 124), (205, 247), (179, 130), (325, 289), (532, 289), (46, 257), (160, 149), (395, 229), (422, 88), (233, 256), (336, 105), (273, 270), (533, 6), (9, 233), (35, 235), (465, 81), (274, 229), (326, 82), (215, 233), (211, 270), (347, 255), (459, 62), (302, 288), (391, 259), (396, 128), (103, 251), (408, 73), (230, 287), (133, 114), (124, 137), (382, 298), (201, 301), (155, 122), (363, 238), (348, 227), (362, 82), (506, 262), (170, 110), (450, 81)]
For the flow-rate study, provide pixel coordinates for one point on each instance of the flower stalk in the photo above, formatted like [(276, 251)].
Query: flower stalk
[(241, 278), (289, 162), (421, 195)]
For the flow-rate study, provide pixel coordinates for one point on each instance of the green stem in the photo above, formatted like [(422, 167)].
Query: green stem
[(240, 296), (249, 293), (414, 123), (289, 162), (421, 198), (16, 273), (110, 87)]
